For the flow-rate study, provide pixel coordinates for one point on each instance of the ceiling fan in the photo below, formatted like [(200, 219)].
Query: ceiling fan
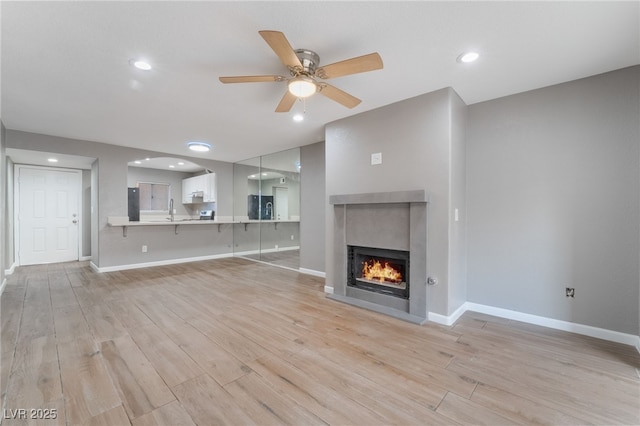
[(305, 71)]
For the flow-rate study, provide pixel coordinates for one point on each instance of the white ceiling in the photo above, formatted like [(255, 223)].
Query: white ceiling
[(66, 71), (167, 163), (40, 158)]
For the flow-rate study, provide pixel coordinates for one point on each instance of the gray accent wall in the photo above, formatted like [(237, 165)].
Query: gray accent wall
[(109, 198), (458, 201), (86, 213), (4, 263), (553, 184), (313, 199), (416, 138), (95, 189)]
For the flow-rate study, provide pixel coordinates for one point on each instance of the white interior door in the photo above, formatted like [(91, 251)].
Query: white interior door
[(281, 201), (48, 213)]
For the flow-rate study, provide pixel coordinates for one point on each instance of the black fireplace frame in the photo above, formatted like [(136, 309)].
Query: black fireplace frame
[(397, 255)]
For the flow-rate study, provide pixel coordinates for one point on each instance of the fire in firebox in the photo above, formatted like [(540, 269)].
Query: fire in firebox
[(374, 270), (378, 270)]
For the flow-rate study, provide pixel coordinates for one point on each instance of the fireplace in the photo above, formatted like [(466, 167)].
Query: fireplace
[(379, 270), (385, 231)]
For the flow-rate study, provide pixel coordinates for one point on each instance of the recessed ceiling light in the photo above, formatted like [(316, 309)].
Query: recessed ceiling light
[(171, 166), (142, 65), (138, 162), (199, 146), (298, 117), (264, 174), (52, 160), (468, 57), (180, 163), (147, 159)]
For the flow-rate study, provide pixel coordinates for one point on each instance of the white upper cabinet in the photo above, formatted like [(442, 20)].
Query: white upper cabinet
[(199, 189), (212, 190)]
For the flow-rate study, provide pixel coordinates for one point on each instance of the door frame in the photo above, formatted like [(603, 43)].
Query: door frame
[(274, 191), (16, 206)]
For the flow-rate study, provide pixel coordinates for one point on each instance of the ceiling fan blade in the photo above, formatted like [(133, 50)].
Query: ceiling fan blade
[(286, 103), (338, 95), (281, 46), (253, 79), (365, 63)]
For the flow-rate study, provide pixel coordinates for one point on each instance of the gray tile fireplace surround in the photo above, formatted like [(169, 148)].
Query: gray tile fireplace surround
[(389, 220)]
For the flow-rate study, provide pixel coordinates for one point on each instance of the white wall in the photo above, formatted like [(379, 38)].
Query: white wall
[(553, 184)]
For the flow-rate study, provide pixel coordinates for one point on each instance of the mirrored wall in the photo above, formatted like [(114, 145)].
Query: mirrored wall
[(267, 208)]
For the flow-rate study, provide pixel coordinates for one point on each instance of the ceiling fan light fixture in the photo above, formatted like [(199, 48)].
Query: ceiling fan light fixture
[(302, 87), (199, 146)]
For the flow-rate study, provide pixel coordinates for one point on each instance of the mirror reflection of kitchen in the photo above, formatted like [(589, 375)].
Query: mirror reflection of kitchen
[(273, 201), (267, 202), (170, 189), (280, 187)]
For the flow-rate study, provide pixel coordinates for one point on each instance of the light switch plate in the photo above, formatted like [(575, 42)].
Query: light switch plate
[(376, 158)]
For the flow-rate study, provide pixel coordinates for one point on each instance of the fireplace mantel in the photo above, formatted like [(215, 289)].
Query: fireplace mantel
[(386, 220), (416, 196)]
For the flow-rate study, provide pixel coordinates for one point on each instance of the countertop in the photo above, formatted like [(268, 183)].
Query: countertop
[(124, 221)]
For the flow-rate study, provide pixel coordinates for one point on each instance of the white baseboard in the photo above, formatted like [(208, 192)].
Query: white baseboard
[(275, 250), (84, 258), (447, 320), (271, 250), (312, 272), (587, 330), (2, 286), (157, 263), (328, 289), (11, 270)]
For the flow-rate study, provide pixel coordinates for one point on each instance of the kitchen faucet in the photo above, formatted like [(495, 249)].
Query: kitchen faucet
[(171, 209), (269, 209)]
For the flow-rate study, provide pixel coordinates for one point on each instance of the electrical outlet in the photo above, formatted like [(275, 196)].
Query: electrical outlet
[(570, 291), (292, 238), (276, 247), (144, 249)]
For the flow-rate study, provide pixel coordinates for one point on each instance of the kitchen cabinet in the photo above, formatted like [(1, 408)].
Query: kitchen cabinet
[(199, 189), (211, 192)]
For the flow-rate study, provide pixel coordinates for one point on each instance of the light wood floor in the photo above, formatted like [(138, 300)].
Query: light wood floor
[(237, 342), (285, 258)]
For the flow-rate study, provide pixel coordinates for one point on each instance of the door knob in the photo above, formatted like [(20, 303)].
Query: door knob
[(74, 221)]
